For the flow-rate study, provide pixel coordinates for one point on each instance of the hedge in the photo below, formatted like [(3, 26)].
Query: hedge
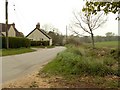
[(16, 42), (39, 43)]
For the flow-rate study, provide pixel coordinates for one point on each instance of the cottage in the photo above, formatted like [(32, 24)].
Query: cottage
[(39, 34), (12, 31)]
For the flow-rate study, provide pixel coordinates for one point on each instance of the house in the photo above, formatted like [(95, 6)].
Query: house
[(39, 34), (12, 31)]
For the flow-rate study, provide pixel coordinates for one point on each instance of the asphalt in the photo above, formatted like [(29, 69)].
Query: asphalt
[(16, 66)]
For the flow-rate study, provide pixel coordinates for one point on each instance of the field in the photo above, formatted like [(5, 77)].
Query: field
[(111, 44), (81, 65)]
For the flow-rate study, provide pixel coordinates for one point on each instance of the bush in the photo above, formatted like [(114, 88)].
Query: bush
[(16, 42), (115, 53), (39, 43)]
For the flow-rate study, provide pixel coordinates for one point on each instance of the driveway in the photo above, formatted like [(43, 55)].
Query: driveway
[(18, 65)]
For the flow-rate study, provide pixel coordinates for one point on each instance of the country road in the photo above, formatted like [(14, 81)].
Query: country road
[(18, 65)]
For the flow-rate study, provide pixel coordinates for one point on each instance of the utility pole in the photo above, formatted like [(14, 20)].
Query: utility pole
[(66, 34), (6, 13)]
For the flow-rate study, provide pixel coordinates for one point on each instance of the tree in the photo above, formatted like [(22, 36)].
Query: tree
[(56, 38), (49, 27), (89, 22), (75, 40), (110, 36), (21, 34), (54, 33), (96, 6)]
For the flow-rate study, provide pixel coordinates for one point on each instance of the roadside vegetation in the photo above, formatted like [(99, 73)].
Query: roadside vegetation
[(6, 52), (82, 64)]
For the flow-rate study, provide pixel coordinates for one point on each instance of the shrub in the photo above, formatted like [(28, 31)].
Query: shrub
[(39, 43), (16, 42), (115, 53)]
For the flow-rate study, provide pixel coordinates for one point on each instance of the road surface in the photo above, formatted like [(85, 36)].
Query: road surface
[(18, 65)]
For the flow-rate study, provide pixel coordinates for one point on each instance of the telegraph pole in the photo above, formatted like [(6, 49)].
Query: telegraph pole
[(6, 13), (66, 34)]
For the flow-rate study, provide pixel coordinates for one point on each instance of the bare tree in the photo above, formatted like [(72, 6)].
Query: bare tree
[(50, 27), (89, 22)]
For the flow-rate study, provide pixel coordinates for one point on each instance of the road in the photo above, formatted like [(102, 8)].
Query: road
[(18, 65)]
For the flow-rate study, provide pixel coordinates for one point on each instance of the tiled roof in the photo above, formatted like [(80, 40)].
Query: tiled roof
[(3, 28)]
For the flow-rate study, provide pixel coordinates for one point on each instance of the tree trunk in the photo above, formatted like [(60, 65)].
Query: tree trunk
[(92, 37)]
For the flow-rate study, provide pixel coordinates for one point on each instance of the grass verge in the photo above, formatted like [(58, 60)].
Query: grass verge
[(6, 52)]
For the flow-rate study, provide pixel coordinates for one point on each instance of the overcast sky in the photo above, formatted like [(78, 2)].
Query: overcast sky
[(28, 13)]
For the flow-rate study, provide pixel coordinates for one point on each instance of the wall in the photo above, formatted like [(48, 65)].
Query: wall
[(11, 32), (50, 43), (38, 36)]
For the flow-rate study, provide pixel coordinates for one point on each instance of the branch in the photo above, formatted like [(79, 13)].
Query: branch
[(80, 24), (97, 21), (83, 28), (76, 31), (99, 24), (83, 19)]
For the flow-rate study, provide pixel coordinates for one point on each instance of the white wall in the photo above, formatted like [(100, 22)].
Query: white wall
[(38, 36), (4, 33), (11, 32), (50, 43)]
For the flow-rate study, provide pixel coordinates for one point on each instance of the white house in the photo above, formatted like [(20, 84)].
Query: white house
[(12, 31), (39, 35)]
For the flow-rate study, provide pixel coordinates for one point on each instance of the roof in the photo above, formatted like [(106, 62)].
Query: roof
[(41, 30), (3, 28), (1, 34)]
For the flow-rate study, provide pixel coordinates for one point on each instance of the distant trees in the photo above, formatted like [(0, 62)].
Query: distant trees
[(109, 37), (109, 34), (74, 40), (21, 34), (53, 32), (57, 39), (50, 27)]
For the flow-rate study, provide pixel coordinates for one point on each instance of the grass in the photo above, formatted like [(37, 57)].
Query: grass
[(106, 44), (112, 44), (6, 52), (77, 61)]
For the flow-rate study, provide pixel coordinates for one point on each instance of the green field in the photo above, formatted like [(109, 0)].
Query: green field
[(110, 44), (6, 52)]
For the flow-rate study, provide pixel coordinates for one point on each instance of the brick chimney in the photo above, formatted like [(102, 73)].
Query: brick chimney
[(13, 25), (38, 26)]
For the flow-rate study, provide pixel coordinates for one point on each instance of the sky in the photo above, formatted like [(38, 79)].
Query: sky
[(27, 13)]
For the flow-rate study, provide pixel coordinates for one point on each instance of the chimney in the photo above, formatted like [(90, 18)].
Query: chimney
[(38, 26), (13, 25)]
